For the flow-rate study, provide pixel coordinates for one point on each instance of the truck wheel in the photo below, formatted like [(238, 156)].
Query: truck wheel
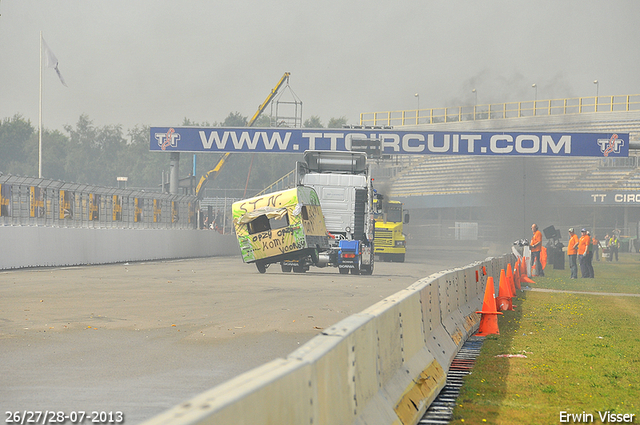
[(299, 269), (367, 270), (343, 271), (355, 270), (285, 269), (262, 268)]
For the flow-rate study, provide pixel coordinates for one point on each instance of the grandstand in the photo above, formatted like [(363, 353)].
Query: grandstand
[(441, 175), (503, 192)]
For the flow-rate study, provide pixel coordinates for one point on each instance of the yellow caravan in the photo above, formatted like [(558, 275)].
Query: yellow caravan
[(285, 227)]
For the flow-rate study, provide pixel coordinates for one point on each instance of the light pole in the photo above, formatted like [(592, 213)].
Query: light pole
[(475, 103), (418, 110), (597, 90), (535, 99)]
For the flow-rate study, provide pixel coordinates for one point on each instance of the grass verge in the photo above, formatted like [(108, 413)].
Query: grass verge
[(582, 352)]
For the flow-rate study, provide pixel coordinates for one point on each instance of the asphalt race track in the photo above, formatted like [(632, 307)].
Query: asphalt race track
[(140, 338)]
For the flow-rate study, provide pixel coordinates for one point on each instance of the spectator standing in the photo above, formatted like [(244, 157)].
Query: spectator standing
[(596, 248), (572, 252), (583, 250), (536, 247), (614, 245), (590, 250)]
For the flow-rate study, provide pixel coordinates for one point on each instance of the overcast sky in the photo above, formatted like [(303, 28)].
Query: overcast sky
[(155, 62)]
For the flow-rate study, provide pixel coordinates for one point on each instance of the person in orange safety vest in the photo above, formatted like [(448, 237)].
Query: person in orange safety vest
[(536, 247), (572, 252), (583, 253)]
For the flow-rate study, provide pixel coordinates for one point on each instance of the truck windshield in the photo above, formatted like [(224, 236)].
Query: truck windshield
[(394, 213)]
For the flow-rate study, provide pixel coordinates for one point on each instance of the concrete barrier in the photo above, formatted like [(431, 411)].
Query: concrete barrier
[(382, 366), (36, 246)]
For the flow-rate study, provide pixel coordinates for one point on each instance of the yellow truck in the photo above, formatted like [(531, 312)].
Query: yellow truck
[(285, 227), (389, 241)]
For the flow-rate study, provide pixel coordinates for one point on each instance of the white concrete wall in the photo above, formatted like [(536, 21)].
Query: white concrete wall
[(382, 366), (35, 246)]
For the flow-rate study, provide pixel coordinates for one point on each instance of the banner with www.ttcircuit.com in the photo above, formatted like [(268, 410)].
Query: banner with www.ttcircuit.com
[(394, 142)]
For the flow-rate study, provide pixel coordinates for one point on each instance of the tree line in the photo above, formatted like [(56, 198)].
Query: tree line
[(89, 154)]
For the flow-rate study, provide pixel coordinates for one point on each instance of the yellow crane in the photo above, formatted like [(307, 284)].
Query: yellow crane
[(212, 174), (274, 91)]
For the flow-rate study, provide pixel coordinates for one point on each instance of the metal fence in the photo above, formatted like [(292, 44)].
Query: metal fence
[(548, 107), (29, 201)]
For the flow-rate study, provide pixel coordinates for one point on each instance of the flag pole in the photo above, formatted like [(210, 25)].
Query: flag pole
[(40, 117)]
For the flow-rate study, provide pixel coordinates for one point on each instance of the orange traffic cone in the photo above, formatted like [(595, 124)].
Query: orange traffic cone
[(489, 320), (516, 275), (512, 283), (523, 272), (503, 302), (525, 278)]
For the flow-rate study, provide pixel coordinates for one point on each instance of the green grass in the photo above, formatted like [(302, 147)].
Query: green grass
[(583, 352), (619, 277)]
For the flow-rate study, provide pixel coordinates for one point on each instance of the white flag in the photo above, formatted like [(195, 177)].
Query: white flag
[(50, 61)]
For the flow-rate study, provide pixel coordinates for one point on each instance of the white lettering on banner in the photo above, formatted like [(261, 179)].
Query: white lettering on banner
[(471, 138), (408, 148), (252, 143), (334, 139), (312, 139), (394, 143), (535, 143), (432, 146), (414, 142), (533, 140), (275, 138), (494, 143), (213, 136), (244, 138), (629, 197), (547, 141), (598, 195)]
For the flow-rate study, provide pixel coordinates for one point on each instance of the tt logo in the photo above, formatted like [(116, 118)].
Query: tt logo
[(170, 138), (608, 146)]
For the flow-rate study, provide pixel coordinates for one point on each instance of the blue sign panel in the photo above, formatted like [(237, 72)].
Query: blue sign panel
[(394, 142)]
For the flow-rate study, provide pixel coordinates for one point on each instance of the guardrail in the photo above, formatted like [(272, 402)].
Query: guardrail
[(547, 107), (384, 365), (29, 201)]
